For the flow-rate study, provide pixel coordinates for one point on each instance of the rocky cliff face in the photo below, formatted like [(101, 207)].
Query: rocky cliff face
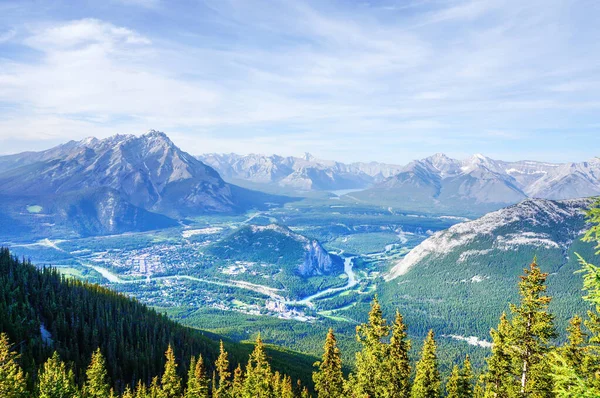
[(317, 261)]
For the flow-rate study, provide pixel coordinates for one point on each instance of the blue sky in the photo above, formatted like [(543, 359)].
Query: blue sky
[(346, 80)]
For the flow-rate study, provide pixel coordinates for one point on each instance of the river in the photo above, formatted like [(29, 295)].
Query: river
[(352, 281)]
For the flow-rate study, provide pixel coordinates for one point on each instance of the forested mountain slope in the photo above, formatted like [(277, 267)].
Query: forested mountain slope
[(42, 312), (459, 280)]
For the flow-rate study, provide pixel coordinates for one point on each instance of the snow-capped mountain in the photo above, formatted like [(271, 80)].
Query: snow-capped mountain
[(148, 173), (301, 173), (437, 183), (480, 184), (534, 223)]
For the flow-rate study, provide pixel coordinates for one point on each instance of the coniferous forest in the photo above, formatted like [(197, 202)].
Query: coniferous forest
[(64, 338)]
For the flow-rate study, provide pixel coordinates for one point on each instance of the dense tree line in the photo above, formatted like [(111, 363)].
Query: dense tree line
[(46, 315), (56, 379)]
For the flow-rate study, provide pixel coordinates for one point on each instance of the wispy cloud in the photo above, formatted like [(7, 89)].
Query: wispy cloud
[(258, 75)]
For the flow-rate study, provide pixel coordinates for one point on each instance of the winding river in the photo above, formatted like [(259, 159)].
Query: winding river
[(352, 281)]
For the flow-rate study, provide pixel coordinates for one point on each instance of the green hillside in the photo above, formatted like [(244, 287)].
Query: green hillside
[(43, 312)]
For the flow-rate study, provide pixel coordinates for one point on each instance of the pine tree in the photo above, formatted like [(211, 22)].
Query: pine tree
[(13, 382), (569, 379), (96, 384), (197, 385), (398, 360), (467, 378), (329, 379), (499, 378), (223, 388), (258, 373), (427, 379), (532, 329), (453, 389), (287, 390), (238, 382), (141, 391), (155, 391), (460, 384), (55, 381), (370, 376), (127, 393), (170, 381)]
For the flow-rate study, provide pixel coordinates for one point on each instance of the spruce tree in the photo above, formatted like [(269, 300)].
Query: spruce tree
[(574, 349), (276, 384), (197, 384), (467, 378), (453, 389), (13, 383), (287, 390), (569, 378), (499, 379), (155, 391), (460, 384), (532, 329), (369, 378), (427, 379), (222, 389), (398, 361), (170, 381), (329, 379), (96, 383), (238, 382), (127, 393), (141, 391), (55, 381), (257, 382)]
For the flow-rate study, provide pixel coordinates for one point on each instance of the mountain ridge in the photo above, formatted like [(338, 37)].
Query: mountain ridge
[(122, 175)]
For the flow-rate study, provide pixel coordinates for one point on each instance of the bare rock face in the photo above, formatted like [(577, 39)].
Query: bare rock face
[(317, 261)]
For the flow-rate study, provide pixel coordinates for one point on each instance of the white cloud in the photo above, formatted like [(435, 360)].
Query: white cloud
[(449, 76), (83, 32)]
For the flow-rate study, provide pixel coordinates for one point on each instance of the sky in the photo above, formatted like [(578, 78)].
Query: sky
[(385, 80)]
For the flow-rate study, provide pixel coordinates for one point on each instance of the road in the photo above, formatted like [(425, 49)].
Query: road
[(268, 291)]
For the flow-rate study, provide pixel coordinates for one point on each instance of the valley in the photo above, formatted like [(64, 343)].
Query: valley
[(186, 268)]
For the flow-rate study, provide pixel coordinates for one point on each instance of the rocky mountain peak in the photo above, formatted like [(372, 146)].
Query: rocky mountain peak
[(309, 157)]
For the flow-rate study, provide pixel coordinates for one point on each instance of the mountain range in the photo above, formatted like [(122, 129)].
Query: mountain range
[(473, 267), (136, 183), (122, 183), (303, 173), (481, 184), (434, 184)]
